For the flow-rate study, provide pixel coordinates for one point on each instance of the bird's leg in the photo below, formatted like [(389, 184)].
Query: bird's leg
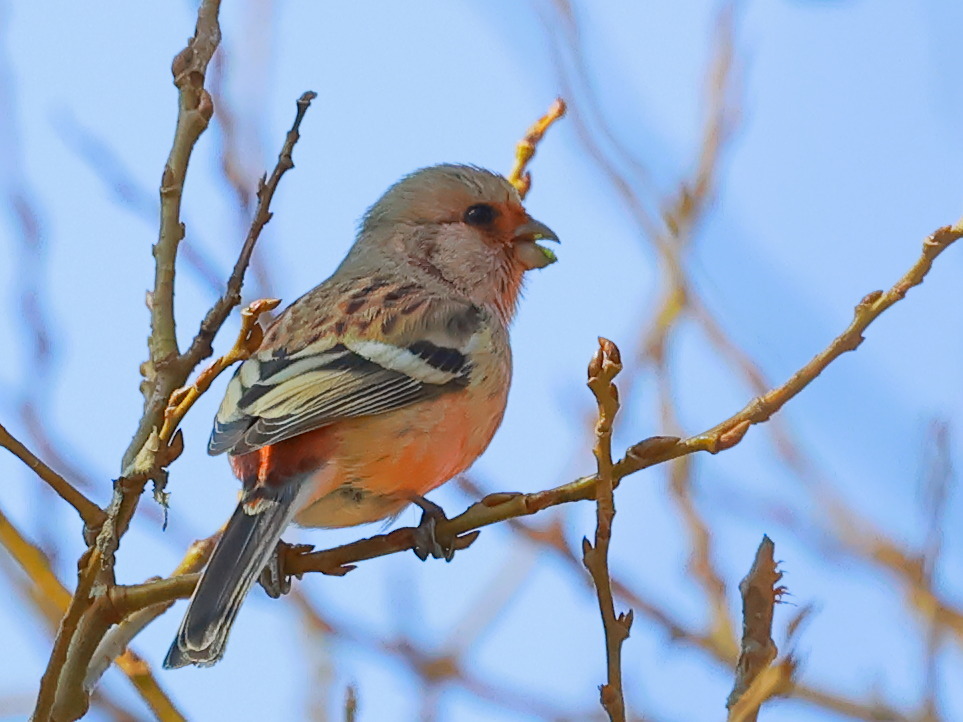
[(273, 579), (427, 540)]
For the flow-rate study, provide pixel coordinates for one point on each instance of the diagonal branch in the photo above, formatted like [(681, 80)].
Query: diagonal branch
[(200, 347), (91, 514), (730, 432)]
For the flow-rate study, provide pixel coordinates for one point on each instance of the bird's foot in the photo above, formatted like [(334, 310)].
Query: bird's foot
[(273, 578), (427, 539)]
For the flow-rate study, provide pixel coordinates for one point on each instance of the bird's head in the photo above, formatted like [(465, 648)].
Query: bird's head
[(464, 226)]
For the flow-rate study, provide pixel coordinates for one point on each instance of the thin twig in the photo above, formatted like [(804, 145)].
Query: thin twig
[(248, 340), (91, 514), (200, 347), (525, 149), (602, 370), (731, 431)]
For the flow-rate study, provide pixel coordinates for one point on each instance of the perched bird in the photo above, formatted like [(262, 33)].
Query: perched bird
[(377, 386)]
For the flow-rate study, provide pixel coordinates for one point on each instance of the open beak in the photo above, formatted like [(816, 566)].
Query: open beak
[(532, 254)]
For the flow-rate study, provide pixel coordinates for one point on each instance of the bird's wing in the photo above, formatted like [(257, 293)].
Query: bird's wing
[(280, 393)]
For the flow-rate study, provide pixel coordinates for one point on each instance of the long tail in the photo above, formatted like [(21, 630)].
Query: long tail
[(240, 555)]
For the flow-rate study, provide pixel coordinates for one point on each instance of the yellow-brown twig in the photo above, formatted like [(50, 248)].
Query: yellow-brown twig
[(731, 431), (773, 681), (92, 515), (525, 150), (248, 340)]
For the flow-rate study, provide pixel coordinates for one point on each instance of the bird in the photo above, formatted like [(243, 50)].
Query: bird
[(374, 388)]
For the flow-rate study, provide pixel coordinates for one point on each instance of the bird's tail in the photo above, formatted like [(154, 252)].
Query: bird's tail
[(237, 560)]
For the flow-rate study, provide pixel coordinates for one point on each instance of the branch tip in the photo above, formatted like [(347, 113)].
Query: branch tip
[(525, 149)]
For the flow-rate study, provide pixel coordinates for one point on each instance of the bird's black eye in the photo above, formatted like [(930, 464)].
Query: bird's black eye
[(480, 214)]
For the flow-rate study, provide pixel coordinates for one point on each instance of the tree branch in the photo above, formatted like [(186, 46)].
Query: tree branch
[(52, 598), (91, 514), (603, 368), (759, 596), (200, 347), (730, 432), (140, 459), (195, 109)]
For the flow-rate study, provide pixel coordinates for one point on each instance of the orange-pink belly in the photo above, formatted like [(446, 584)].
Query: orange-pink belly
[(380, 462)]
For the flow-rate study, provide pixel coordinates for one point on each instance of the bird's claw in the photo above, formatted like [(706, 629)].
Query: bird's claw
[(273, 578), (427, 540)]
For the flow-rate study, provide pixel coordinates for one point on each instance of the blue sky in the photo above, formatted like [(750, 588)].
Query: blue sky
[(845, 157)]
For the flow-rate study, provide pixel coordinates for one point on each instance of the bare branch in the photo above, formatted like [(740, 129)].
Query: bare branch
[(731, 431), (200, 347), (194, 112), (52, 598), (759, 596), (91, 514), (602, 370), (195, 109), (248, 340)]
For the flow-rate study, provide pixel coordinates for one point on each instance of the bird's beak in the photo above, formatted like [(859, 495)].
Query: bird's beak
[(532, 254)]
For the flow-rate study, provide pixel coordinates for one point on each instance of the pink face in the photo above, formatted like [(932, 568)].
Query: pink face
[(506, 225)]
